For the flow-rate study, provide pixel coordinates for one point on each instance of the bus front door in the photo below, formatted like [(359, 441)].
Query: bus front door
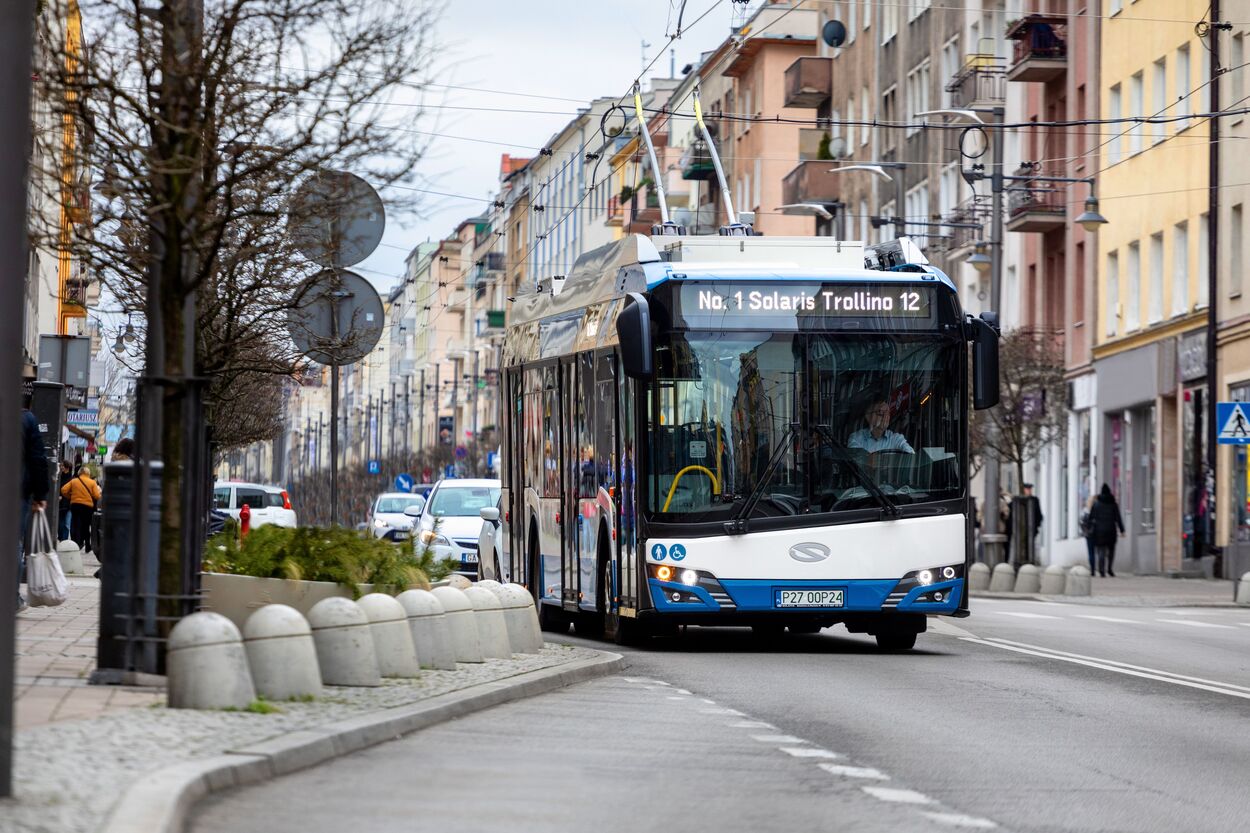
[(568, 492)]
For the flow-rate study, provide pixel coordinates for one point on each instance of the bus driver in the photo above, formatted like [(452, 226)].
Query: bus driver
[(877, 436)]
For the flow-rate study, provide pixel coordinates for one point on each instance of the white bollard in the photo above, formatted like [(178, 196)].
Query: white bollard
[(492, 630), (978, 577), (526, 619), (70, 556), (1003, 579), (344, 643), (1028, 579), (281, 653), (489, 583), (515, 617), (207, 665), (392, 641), (460, 623), (1053, 580), (428, 625), (1079, 581), (1243, 590), (459, 582)]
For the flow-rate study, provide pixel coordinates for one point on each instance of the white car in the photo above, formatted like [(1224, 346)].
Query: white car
[(389, 517), (490, 545), (266, 504), (451, 521)]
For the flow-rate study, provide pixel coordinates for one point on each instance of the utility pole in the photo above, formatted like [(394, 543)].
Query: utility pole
[(16, 41), (475, 422), (993, 537), (421, 414), (1204, 533)]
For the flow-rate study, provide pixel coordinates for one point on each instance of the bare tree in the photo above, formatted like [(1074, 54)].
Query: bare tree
[(1032, 412), (203, 118)]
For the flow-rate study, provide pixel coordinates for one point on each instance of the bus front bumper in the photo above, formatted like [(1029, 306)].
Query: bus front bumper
[(727, 597)]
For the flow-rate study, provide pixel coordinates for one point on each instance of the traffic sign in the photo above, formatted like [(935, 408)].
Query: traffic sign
[(1234, 423), (403, 482), (449, 471), (375, 467)]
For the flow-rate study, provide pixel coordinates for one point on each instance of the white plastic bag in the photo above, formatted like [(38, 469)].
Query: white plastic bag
[(46, 585)]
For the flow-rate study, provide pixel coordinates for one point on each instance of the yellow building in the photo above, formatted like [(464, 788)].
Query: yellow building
[(1151, 289)]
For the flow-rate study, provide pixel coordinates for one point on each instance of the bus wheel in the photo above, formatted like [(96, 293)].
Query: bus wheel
[(896, 640)]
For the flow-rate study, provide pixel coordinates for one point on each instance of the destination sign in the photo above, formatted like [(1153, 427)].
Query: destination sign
[(806, 306)]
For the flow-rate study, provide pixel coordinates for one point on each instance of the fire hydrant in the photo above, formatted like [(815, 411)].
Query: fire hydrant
[(245, 520)]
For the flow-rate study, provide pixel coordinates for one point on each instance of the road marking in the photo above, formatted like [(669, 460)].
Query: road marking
[(681, 691), (677, 698), (709, 702), (1244, 624), (1025, 615), (1120, 667), (729, 712), (808, 752), (777, 739), (899, 796), (959, 820), (1054, 604), (1106, 619), (1193, 624), (855, 771), (941, 625), (751, 724)]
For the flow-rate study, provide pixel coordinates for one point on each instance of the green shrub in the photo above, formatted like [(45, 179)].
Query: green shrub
[(336, 554)]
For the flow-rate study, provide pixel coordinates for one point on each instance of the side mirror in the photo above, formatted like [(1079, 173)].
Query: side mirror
[(489, 513), (633, 329), (984, 334), (414, 510)]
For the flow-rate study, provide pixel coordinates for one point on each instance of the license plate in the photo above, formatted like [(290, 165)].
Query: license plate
[(809, 598), (469, 558)]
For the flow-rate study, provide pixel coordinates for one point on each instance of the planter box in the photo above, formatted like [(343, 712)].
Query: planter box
[(236, 597)]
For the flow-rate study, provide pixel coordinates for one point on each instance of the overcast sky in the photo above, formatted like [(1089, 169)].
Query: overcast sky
[(575, 49)]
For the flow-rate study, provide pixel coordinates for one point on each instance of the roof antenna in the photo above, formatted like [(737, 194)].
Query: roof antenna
[(734, 228), (666, 226)]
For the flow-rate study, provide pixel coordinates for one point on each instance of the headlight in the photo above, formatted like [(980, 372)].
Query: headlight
[(689, 577), (379, 523), (428, 536), (925, 577)]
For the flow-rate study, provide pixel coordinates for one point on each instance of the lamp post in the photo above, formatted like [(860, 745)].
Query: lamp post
[(879, 169)]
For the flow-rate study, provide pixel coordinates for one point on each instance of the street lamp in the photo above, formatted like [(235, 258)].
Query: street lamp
[(879, 169), (1090, 219), (979, 260)]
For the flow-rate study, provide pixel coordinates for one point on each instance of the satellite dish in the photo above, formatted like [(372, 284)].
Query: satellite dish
[(338, 320), (833, 33), (837, 147), (336, 219)]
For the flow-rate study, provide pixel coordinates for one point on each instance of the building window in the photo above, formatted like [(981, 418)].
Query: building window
[(1117, 6), (887, 212), (1159, 97), (948, 192), (864, 104), (1113, 293), (1132, 293), (1204, 77), (863, 221), (1238, 58), (1136, 104), (1180, 268), (888, 112), (1235, 263), (889, 22), (852, 8), (950, 68), (850, 123), (1114, 108), (917, 95), (1204, 262), (759, 179), (1156, 278), (917, 209), (1183, 89), (917, 8)]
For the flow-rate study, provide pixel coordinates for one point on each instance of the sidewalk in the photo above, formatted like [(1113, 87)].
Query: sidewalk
[(1140, 591)]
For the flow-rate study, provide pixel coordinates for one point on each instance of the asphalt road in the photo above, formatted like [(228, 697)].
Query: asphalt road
[(1027, 716)]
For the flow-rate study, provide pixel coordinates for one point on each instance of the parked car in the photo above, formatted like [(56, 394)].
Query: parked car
[(451, 522), (490, 543), (388, 518), (266, 504)]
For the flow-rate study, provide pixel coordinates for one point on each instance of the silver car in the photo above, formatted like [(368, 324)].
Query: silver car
[(389, 517), (452, 521)]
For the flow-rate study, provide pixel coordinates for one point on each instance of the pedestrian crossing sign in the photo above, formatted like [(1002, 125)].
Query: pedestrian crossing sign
[(1234, 423)]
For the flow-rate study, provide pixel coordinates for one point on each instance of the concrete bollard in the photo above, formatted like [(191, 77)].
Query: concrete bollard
[(1003, 579), (344, 643), (1079, 581), (459, 582), (533, 628), (1028, 579), (492, 629), (1243, 590), (70, 556), (392, 640), (207, 665), (1053, 579), (978, 577), (281, 653), (428, 625), (524, 636), (489, 583), (460, 624)]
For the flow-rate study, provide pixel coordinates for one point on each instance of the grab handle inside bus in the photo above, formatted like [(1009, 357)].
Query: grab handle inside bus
[(633, 329), (984, 360)]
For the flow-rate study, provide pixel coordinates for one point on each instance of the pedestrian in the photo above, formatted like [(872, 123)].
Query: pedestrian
[(62, 512), (34, 486), (82, 492), (124, 450), (1106, 519), (1031, 522), (1087, 532)]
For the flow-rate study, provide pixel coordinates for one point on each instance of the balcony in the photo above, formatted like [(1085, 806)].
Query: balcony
[(1039, 209), (982, 82), (809, 82), (1041, 48), (962, 240), (644, 211), (810, 181), (696, 162)]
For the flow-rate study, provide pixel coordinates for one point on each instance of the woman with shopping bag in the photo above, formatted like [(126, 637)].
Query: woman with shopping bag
[(82, 492)]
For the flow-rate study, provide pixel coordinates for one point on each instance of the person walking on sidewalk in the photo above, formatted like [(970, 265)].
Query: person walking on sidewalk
[(82, 492), (1087, 532), (34, 486), (62, 512), (1106, 518)]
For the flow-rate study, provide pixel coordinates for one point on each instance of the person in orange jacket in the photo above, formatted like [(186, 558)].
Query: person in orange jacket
[(82, 493)]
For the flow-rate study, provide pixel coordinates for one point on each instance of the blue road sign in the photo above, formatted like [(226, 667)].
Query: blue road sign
[(403, 482), (375, 467), (1233, 419), (450, 471)]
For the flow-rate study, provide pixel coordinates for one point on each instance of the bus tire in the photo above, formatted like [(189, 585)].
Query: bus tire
[(896, 640)]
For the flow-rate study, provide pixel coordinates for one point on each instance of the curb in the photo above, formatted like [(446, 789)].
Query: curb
[(1108, 601), (161, 801)]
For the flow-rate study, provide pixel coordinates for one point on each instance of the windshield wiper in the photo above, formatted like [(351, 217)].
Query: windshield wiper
[(737, 525), (888, 507)]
